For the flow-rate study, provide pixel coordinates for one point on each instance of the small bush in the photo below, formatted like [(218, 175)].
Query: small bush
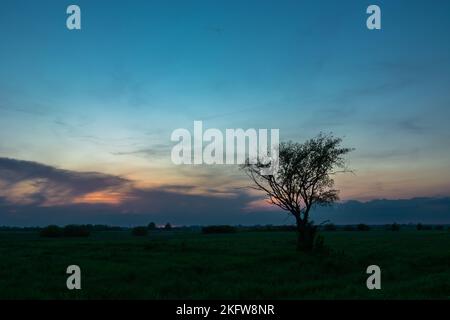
[(362, 227), (51, 231), (76, 231), (421, 227), (440, 228), (139, 231), (329, 227), (394, 227), (168, 226), (151, 226), (218, 229), (319, 243)]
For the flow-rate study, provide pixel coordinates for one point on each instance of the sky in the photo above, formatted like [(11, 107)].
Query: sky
[(86, 115)]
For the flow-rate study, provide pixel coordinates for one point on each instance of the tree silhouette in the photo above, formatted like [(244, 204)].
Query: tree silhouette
[(304, 179)]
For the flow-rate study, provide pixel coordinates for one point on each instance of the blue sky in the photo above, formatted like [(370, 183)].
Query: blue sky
[(106, 98)]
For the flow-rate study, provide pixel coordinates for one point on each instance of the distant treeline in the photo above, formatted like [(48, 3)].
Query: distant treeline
[(73, 230), (390, 227), (84, 230), (53, 231), (90, 227), (218, 229)]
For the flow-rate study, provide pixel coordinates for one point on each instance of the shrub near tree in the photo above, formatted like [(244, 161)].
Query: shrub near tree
[(422, 227), (151, 226), (168, 226), (394, 227)]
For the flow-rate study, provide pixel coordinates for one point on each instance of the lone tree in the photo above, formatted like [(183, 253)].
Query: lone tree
[(304, 180)]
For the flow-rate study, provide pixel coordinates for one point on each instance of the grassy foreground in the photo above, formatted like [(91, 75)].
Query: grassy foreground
[(245, 265)]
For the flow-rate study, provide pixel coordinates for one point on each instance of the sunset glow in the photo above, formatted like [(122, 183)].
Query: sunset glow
[(111, 198)]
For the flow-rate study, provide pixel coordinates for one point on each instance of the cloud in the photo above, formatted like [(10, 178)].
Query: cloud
[(26, 182), (33, 193), (413, 126), (393, 153), (157, 150)]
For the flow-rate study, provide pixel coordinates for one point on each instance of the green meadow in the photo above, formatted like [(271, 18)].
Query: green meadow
[(244, 265)]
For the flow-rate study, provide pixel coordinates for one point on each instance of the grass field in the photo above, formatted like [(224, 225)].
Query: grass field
[(245, 265)]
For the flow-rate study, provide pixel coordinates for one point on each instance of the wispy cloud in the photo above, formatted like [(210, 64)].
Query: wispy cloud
[(37, 184), (157, 150)]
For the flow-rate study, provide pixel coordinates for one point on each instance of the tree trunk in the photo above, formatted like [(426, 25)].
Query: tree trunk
[(306, 234)]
